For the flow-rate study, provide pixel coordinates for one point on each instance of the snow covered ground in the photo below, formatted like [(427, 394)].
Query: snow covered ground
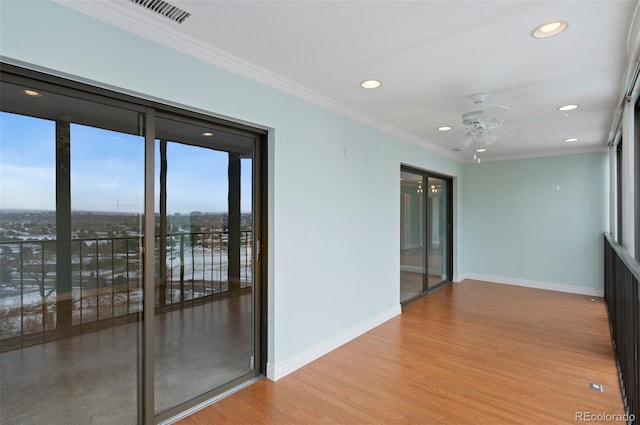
[(107, 284)]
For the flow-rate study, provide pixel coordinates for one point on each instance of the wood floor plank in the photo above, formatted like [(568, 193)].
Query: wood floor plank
[(469, 353)]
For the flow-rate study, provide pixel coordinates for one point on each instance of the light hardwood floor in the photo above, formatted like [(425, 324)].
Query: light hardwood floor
[(470, 353)]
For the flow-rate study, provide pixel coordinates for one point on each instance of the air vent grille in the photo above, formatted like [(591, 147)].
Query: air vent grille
[(165, 9)]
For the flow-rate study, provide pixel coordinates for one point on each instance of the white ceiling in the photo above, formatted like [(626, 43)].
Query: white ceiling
[(429, 55)]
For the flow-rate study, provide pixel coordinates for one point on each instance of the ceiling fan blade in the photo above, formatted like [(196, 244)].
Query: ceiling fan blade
[(466, 140), (437, 127), (502, 130), (492, 113), (460, 131)]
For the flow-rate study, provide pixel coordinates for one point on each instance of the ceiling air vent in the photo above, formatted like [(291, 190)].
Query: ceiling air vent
[(165, 9)]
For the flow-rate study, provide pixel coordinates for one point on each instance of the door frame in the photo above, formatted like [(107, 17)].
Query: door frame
[(426, 174)]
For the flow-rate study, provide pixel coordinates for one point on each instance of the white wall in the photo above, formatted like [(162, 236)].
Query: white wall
[(629, 95), (335, 183), (628, 180), (613, 195)]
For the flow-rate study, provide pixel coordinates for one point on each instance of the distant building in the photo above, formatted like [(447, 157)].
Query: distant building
[(196, 221)]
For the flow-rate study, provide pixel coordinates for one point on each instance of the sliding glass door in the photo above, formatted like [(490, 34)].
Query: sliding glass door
[(413, 259), (130, 275), (204, 330), (425, 232)]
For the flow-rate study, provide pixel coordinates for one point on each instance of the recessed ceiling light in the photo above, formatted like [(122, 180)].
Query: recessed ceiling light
[(207, 134), (33, 93), (571, 139), (370, 84), (445, 128), (480, 150), (549, 29), (569, 107)]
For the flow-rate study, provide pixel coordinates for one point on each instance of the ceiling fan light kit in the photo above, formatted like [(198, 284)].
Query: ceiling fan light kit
[(480, 124)]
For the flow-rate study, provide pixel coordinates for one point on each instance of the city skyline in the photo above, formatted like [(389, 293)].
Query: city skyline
[(107, 173)]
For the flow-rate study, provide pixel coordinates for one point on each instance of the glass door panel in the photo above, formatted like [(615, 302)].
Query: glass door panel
[(437, 230), (204, 334), (412, 246), (70, 244)]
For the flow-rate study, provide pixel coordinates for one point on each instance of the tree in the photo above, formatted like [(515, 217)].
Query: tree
[(6, 261)]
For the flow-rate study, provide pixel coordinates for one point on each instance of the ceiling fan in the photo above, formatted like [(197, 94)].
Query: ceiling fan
[(482, 124)]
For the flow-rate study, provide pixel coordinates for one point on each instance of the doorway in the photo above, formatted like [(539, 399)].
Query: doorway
[(426, 217)]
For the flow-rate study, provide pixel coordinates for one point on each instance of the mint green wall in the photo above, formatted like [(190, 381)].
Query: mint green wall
[(334, 220), (518, 225)]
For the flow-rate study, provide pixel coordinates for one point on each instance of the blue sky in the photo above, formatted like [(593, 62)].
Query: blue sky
[(107, 170)]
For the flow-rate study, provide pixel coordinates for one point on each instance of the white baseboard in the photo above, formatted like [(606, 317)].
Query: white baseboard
[(276, 372), (280, 370), (535, 284), (457, 278)]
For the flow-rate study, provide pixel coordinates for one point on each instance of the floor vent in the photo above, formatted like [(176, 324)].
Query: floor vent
[(595, 387), (165, 9)]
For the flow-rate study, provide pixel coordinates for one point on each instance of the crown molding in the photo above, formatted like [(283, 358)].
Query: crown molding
[(541, 154), (129, 17)]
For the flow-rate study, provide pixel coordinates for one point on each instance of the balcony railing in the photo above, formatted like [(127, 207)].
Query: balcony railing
[(107, 276), (622, 276)]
